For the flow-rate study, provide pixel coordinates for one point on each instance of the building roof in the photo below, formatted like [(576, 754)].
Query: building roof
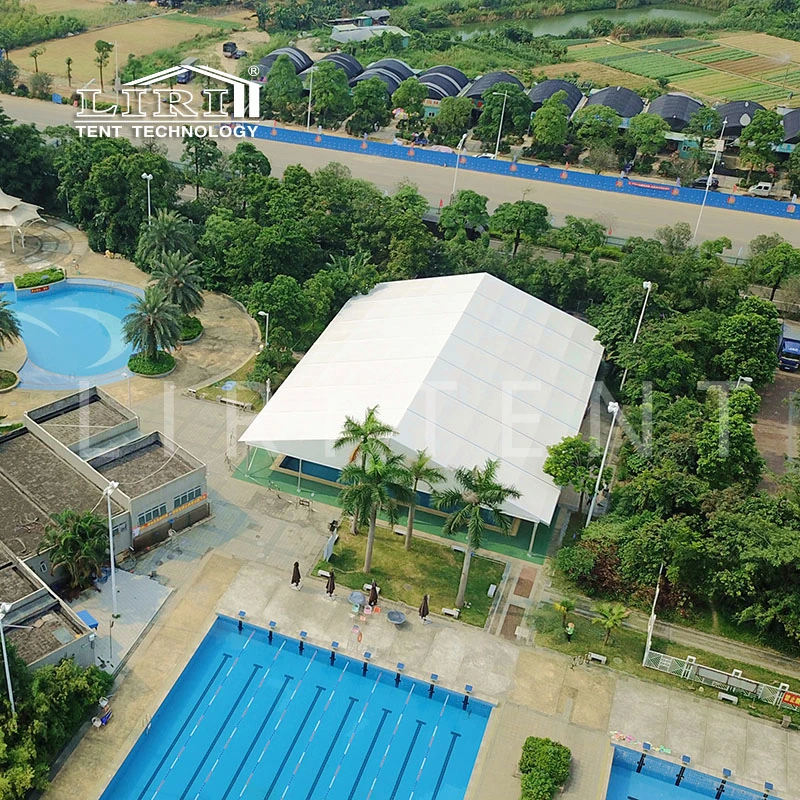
[(624, 101), (466, 366), (79, 421), (145, 464), (739, 114), (395, 65), (475, 92), (350, 65), (675, 108), (791, 126), (351, 33), (546, 89), (300, 60), (443, 81), (391, 80), (378, 13)]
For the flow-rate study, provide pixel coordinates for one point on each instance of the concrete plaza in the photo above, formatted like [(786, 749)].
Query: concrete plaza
[(241, 560)]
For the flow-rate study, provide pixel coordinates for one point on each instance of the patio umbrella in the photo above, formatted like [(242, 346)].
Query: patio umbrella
[(330, 586), (357, 598), (373, 595), (296, 575), (423, 609)]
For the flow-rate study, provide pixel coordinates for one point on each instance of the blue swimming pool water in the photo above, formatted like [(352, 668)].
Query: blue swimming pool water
[(250, 719), (72, 331), (656, 781)]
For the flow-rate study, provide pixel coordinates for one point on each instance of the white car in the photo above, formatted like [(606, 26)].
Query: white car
[(485, 155)]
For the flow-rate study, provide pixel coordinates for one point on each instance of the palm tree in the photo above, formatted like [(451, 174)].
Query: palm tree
[(479, 495), (170, 232), (176, 275), (153, 324), (375, 487), (79, 545), (9, 324), (420, 471), (563, 607), (611, 616), (360, 434)]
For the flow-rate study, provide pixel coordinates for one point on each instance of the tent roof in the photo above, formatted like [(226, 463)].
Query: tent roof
[(675, 108), (14, 213), (391, 79), (624, 101), (395, 65), (475, 92), (791, 126), (466, 366), (546, 89), (739, 115)]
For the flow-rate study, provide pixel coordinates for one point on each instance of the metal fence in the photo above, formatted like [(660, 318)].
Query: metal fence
[(733, 683)]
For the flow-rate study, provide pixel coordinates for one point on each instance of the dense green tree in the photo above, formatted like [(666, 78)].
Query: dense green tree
[(330, 95), (610, 616), (246, 160), (705, 123), (453, 119), (647, 131), (10, 330), (8, 75), (550, 124), (775, 265), (420, 470), (675, 238), (34, 53), (595, 125), (467, 210), (103, 50), (518, 219), (410, 96), (78, 544), (758, 139), (176, 276), (370, 107), (515, 118), (153, 323), (285, 301), (574, 462), (579, 233), (282, 94), (201, 157), (601, 158), (26, 166), (170, 232), (475, 501)]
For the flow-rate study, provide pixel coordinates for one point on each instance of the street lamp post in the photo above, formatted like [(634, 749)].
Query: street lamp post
[(502, 120), (308, 113), (709, 179), (647, 285), (265, 314), (4, 609), (107, 492), (147, 176), (743, 379), (613, 409), (459, 150)]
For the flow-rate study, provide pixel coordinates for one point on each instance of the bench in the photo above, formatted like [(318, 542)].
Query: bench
[(457, 548), (492, 590), (301, 501), (522, 634), (192, 392), (323, 573), (236, 403), (367, 587), (728, 698), (451, 612), (596, 658)]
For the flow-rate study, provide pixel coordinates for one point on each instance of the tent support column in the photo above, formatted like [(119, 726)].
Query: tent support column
[(533, 536)]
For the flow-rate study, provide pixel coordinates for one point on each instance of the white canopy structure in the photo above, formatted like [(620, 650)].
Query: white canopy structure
[(16, 214), (466, 367)]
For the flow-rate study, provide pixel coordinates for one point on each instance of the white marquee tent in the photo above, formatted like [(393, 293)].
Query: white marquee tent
[(466, 366), (16, 214)]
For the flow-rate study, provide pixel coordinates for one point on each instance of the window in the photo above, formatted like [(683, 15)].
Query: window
[(187, 497), (153, 513), (42, 567)]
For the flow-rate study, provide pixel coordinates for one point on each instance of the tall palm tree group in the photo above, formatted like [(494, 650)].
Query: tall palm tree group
[(376, 480), (9, 324)]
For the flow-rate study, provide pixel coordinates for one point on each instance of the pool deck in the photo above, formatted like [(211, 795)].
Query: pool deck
[(241, 559)]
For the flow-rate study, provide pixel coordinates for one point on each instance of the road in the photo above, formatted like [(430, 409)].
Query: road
[(624, 215)]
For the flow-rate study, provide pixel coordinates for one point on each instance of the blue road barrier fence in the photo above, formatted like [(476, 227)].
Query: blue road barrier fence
[(632, 186)]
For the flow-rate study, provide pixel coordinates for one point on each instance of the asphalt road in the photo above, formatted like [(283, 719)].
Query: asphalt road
[(624, 215)]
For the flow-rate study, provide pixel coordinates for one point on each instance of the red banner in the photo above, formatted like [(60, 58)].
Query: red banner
[(40, 289), (791, 699)]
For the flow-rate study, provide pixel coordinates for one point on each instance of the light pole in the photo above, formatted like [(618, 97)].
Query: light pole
[(743, 379), (107, 492), (4, 609), (265, 314), (613, 409), (459, 150), (648, 286), (502, 120), (310, 89), (709, 179), (147, 176)]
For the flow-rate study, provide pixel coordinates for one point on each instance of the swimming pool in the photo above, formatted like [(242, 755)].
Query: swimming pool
[(656, 781), (250, 718), (73, 333)]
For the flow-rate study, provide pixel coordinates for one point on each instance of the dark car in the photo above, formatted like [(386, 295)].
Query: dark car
[(240, 54), (700, 183), (228, 49)]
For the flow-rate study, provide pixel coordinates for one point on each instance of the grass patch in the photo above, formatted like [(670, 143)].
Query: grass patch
[(13, 426), (41, 277), (142, 365), (428, 568), (626, 650), (7, 378), (191, 328)]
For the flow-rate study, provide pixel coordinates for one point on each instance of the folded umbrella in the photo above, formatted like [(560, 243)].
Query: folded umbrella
[(330, 586), (423, 608), (373, 594), (296, 574)]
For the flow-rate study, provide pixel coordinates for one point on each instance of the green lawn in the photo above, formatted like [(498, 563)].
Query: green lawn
[(626, 650), (244, 390), (428, 568)]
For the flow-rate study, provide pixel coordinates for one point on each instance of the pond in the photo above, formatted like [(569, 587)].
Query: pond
[(558, 26)]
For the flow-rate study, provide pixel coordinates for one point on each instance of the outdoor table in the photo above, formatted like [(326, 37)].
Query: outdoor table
[(396, 617), (357, 598)]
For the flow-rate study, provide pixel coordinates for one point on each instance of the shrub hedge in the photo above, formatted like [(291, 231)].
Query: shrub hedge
[(39, 278), (191, 328), (142, 365), (544, 765), (7, 378)]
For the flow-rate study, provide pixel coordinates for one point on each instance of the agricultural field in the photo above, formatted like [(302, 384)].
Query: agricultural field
[(723, 70), (599, 74), (96, 13), (139, 38)]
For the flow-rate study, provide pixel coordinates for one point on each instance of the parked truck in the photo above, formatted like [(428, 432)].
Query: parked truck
[(789, 347)]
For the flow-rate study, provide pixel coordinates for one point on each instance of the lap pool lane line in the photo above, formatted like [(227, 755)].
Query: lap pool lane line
[(386, 711), (225, 657), (286, 679), (196, 725), (427, 749), (353, 701), (320, 689)]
